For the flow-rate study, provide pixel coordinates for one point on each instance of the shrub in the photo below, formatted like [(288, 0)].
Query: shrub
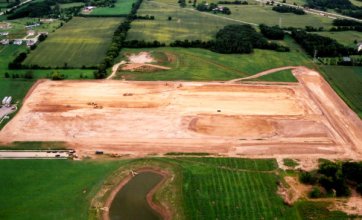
[(308, 178)]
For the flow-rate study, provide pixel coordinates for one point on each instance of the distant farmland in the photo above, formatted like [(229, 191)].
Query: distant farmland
[(121, 7), (185, 24), (82, 41)]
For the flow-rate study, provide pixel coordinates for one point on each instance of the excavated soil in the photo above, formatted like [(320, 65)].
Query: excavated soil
[(305, 119)]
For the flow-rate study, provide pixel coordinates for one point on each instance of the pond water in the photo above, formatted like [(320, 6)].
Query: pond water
[(130, 202)]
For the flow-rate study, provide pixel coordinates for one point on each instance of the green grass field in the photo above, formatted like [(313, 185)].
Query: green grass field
[(344, 37), (347, 82), (203, 65), (121, 7), (50, 189), (190, 24), (185, 24), (208, 188), (82, 41), (71, 5)]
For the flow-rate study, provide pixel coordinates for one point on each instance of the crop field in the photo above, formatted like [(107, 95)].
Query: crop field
[(228, 118), (185, 24), (223, 188), (121, 7), (203, 65), (80, 42), (347, 81), (9, 52), (347, 38), (231, 188)]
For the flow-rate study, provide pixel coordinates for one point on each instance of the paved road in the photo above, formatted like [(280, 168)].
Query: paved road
[(34, 154), (317, 12), (16, 6)]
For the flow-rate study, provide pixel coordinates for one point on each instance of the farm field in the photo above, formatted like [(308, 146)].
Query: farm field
[(344, 37), (76, 44), (9, 52), (240, 188), (265, 117), (265, 15), (347, 82), (232, 188), (202, 65), (121, 7), (185, 24)]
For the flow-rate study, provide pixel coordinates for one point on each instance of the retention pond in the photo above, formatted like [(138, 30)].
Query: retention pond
[(131, 203)]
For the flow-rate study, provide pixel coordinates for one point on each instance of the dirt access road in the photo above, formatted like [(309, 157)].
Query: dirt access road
[(305, 119)]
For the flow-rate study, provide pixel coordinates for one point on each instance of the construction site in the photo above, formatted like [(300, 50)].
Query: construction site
[(232, 118)]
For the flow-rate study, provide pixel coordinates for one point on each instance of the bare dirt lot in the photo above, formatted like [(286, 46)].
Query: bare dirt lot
[(305, 119)]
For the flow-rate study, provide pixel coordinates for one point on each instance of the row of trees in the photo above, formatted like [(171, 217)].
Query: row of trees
[(237, 2), (344, 7), (273, 33), (335, 178), (117, 44), (325, 46), (288, 9)]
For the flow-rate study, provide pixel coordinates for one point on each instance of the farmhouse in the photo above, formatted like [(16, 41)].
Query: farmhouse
[(4, 25), (4, 41), (88, 9), (30, 43), (18, 42), (32, 25), (47, 20), (30, 32), (359, 47)]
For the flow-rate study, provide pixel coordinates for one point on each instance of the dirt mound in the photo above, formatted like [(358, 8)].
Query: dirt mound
[(142, 57), (239, 126)]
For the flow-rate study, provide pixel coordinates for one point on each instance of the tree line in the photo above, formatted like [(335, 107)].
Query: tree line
[(325, 46), (117, 43), (344, 7), (288, 9)]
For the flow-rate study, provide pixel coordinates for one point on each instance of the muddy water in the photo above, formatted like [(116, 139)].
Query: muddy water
[(130, 202)]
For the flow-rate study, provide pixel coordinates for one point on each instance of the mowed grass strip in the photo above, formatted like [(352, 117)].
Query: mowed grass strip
[(347, 82), (121, 7), (347, 38), (81, 42)]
